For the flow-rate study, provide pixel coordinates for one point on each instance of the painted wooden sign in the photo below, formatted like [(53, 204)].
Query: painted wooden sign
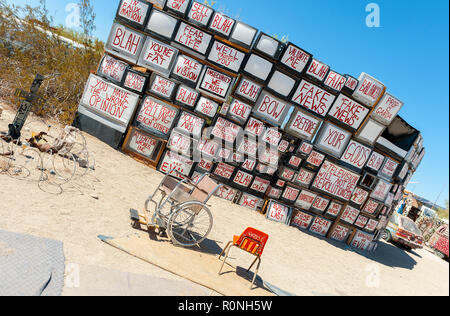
[(208, 148), (269, 156), (361, 240), (125, 43), (303, 125), (315, 159), (260, 185), (207, 107), (375, 161), (361, 222), (274, 193), (109, 101), (290, 194), (305, 199), (243, 179), (336, 181), (350, 85), (359, 196), (278, 212), (193, 38), (243, 35), (387, 109), (239, 111), (305, 148), (284, 146), (200, 14), (320, 204), (186, 97), (221, 24), (388, 169), (158, 56), (356, 154), (134, 12), (369, 90), (348, 112), (156, 117), (335, 81), (301, 219), (181, 143), (135, 81), (295, 162), (295, 59), (162, 87), (249, 164), (215, 83), (226, 56), (258, 67), (205, 165), (281, 84), (248, 147), (317, 70), (304, 177), (370, 132), (320, 226), (226, 193), (248, 90), (178, 7), (313, 98), (350, 215), (187, 70), (190, 124), (332, 139), (226, 130), (162, 25), (371, 225), (381, 190), (250, 201), (255, 127), (334, 209), (286, 173), (272, 137), (340, 233), (112, 69), (224, 170), (271, 109), (173, 161), (144, 145)]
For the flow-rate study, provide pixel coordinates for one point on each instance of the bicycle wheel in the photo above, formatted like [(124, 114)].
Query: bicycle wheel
[(189, 227)]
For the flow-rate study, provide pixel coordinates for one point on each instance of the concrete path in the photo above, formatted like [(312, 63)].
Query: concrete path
[(96, 281)]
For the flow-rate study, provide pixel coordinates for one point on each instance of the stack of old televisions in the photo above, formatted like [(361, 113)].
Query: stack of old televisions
[(184, 87)]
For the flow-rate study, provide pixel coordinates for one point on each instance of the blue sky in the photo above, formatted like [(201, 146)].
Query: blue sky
[(408, 53)]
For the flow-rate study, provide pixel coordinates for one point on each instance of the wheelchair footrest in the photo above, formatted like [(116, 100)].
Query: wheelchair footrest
[(134, 214)]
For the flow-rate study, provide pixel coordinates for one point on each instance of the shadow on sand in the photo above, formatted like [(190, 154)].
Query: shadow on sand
[(387, 254)]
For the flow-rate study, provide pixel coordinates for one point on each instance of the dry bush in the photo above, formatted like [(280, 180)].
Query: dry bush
[(29, 45)]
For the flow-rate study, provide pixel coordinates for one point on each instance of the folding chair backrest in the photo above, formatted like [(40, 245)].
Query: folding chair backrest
[(169, 184), (253, 241), (205, 188), (207, 184)]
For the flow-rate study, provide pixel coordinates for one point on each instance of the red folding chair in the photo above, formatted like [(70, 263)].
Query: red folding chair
[(251, 241)]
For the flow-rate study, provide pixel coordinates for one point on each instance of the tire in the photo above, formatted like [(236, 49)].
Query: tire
[(187, 228), (386, 236)]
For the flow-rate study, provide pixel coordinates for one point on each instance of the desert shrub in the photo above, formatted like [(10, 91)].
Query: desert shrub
[(29, 45)]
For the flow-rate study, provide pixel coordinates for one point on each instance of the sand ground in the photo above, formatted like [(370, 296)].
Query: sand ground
[(294, 261)]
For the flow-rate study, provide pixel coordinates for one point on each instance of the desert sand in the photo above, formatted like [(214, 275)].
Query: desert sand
[(295, 261)]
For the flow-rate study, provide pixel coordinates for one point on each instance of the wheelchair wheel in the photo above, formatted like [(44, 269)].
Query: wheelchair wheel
[(187, 227)]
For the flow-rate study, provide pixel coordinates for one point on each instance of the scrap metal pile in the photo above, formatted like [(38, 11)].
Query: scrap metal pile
[(182, 86)]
